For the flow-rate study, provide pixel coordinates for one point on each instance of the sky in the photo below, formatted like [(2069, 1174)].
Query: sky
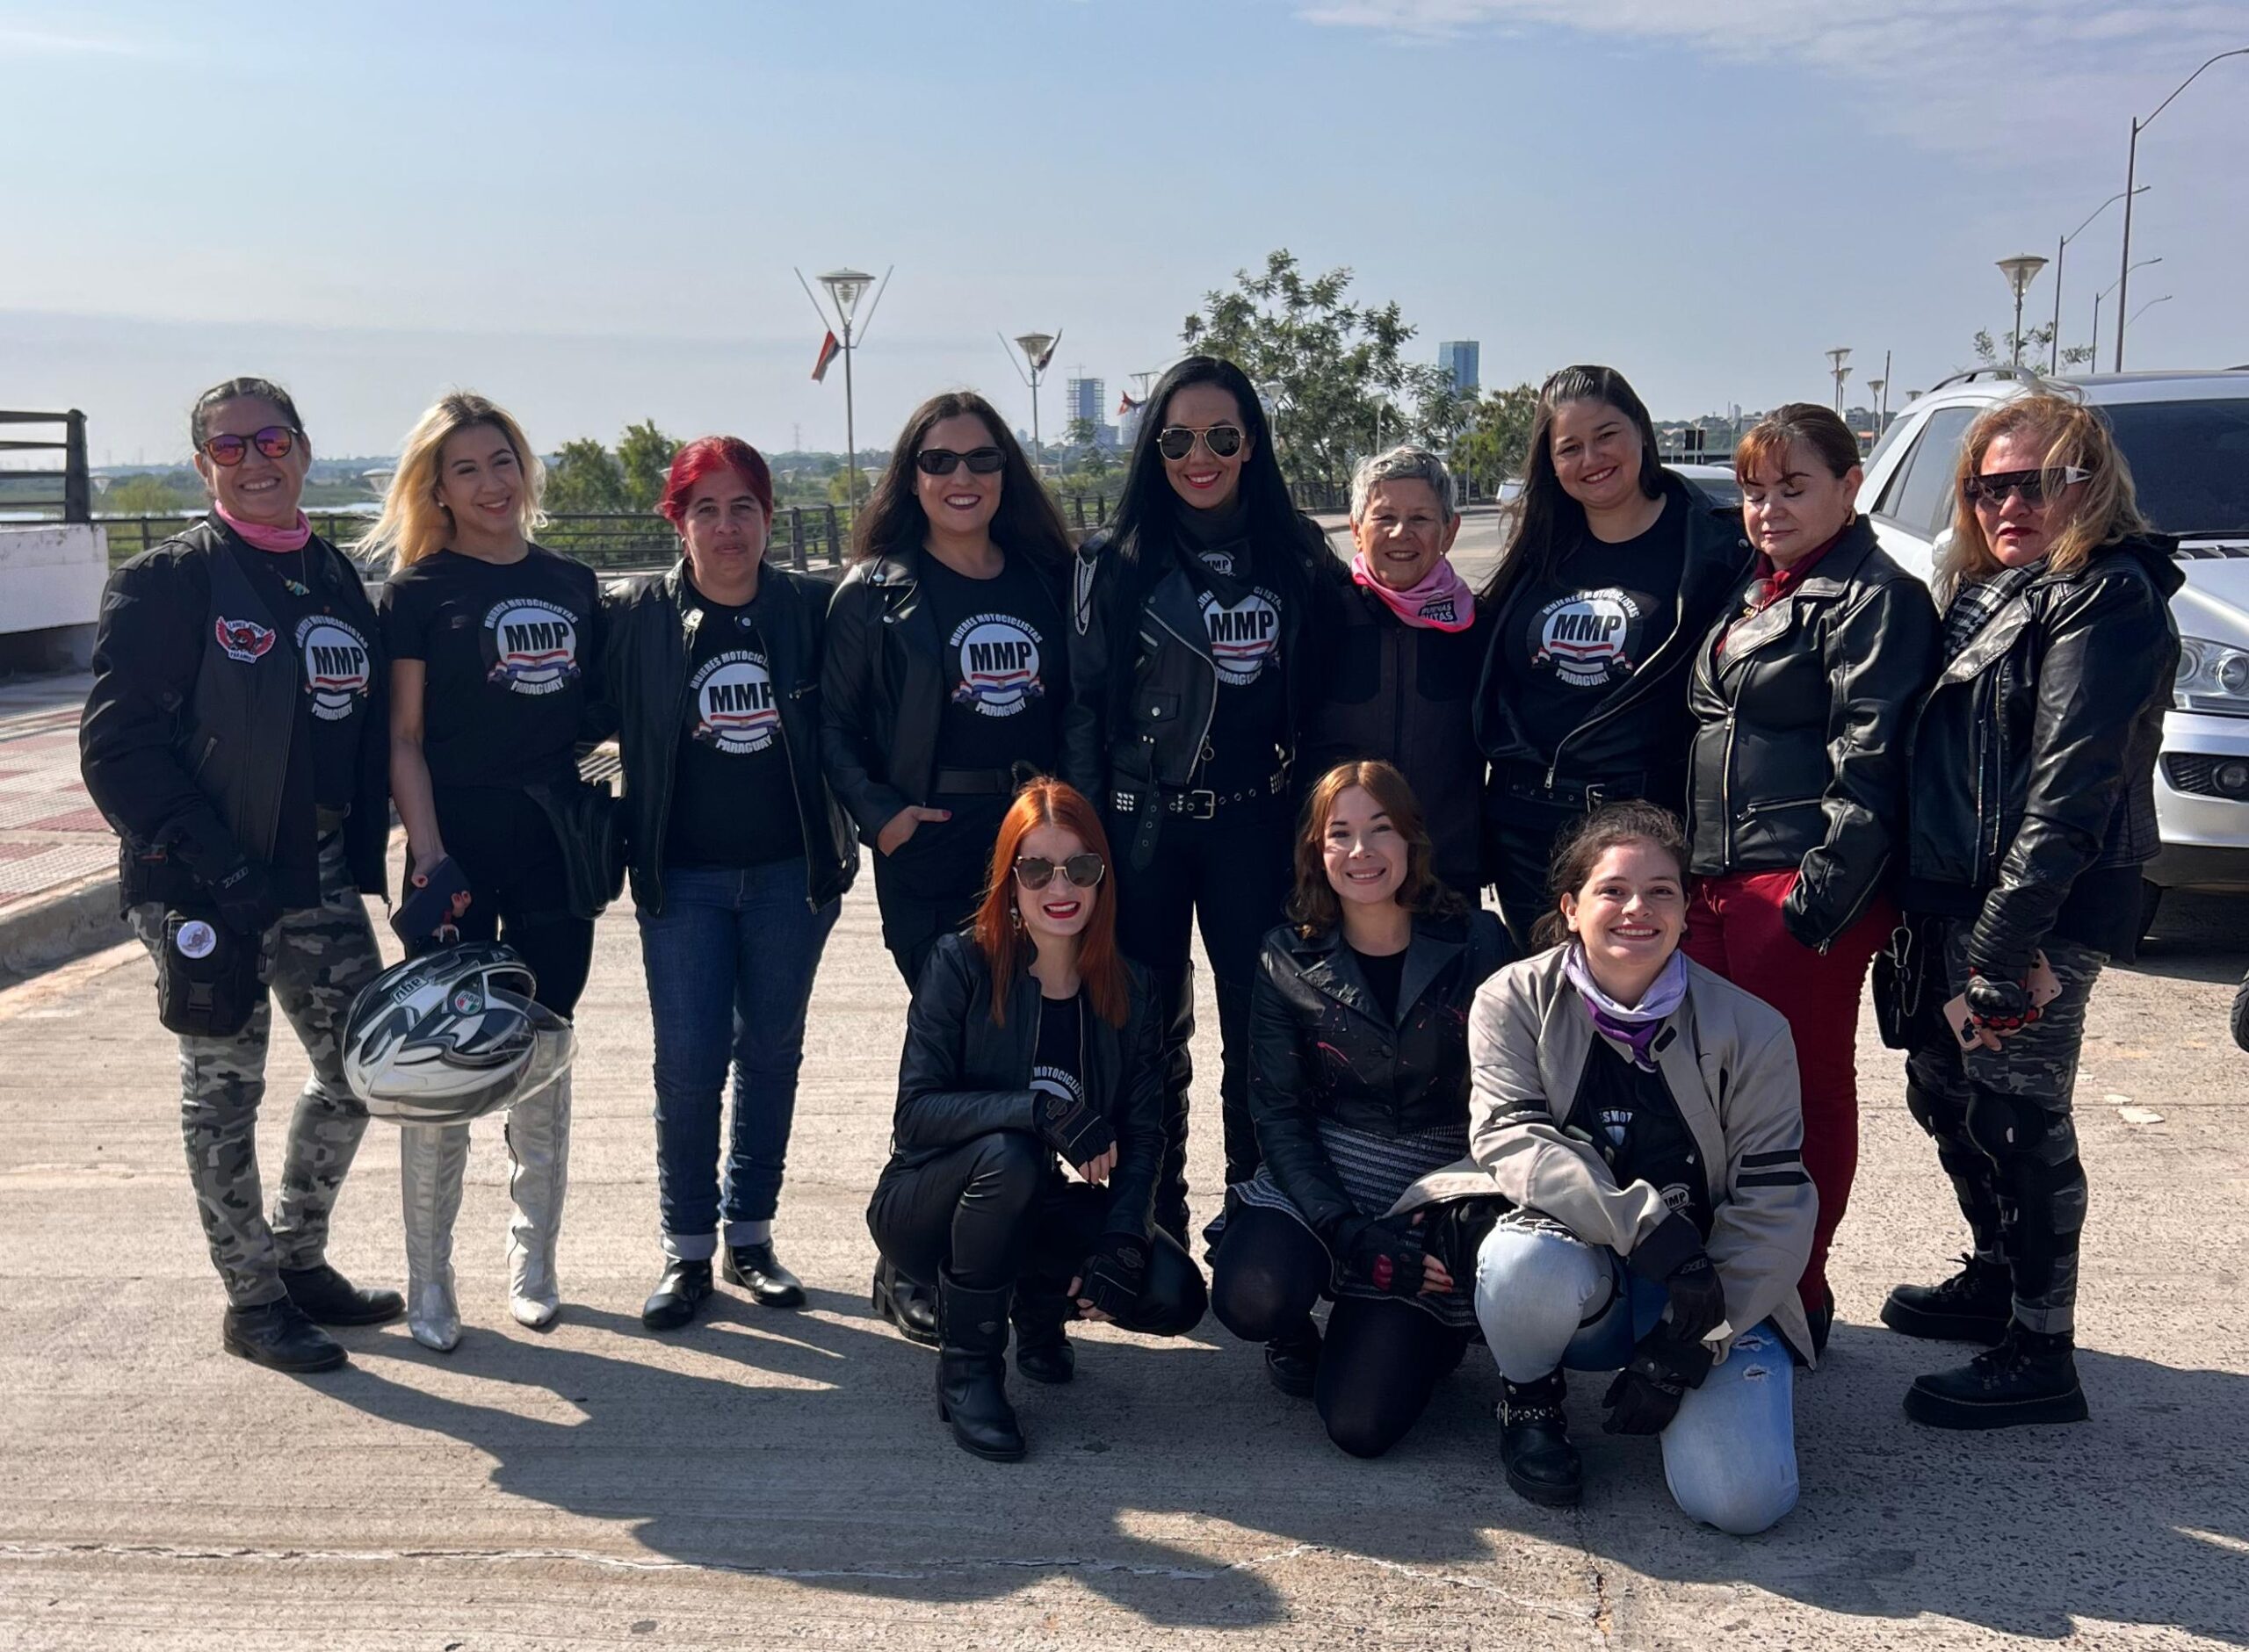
[(592, 212)]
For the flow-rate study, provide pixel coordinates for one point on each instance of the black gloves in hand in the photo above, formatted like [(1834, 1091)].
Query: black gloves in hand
[(2002, 1006), (1072, 1128), (1386, 1254), (1672, 1257), (244, 897), (1455, 1231), (1645, 1395), (1113, 1272)]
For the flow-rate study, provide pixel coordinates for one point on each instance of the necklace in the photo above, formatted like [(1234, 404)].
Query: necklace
[(297, 587)]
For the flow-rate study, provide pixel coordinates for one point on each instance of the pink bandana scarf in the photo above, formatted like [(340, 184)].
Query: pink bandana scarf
[(1441, 601), (265, 538)]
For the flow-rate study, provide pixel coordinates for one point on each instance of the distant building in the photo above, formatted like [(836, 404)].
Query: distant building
[(1084, 398), (1462, 358)]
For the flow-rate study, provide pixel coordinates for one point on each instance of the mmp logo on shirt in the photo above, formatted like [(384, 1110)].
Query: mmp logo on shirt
[(336, 666), (531, 646), (999, 664)]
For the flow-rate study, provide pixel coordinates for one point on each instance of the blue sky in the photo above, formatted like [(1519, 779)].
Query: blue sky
[(590, 211)]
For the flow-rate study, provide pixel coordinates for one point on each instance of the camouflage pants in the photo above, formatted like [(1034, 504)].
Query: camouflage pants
[(317, 960), (2004, 1135)]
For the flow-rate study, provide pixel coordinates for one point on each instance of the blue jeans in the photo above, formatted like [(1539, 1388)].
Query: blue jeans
[(730, 962), (1547, 1301)]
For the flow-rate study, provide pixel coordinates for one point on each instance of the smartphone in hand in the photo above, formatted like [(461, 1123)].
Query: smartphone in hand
[(424, 912)]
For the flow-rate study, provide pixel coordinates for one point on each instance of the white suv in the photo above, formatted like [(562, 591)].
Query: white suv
[(2186, 435)]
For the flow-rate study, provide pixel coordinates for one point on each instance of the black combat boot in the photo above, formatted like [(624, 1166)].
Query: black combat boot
[(906, 1303), (973, 1371), (1043, 1350), (1974, 1305), (277, 1335), (327, 1298), (759, 1272), (679, 1294), (1534, 1446), (2029, 1378), (1293, 1361)]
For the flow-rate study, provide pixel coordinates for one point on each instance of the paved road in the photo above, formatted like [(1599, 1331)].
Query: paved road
[(781, 1479)]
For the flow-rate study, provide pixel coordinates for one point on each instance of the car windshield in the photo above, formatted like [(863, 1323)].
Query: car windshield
[(2190, 462)]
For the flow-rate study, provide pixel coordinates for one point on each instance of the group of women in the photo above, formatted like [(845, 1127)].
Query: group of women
[(1712, 762)]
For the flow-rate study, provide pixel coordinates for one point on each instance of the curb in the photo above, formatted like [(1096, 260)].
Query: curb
[(67, 923)]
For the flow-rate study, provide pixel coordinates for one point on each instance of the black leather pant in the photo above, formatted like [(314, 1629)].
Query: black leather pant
[(997, 1211)]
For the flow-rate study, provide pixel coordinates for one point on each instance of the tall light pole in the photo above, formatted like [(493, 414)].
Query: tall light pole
[(845, 288), (2019, 271), (1037, 350), (2131, 171), (1836, 360), (2100, 297), (2149, 305), (2054, 352), (1874, 388)]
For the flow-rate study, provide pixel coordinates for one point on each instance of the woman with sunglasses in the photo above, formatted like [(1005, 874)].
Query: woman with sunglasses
[(739, 858), (1193, 666), (1032, 1045), (1358, 1082), (1800, 694), (235, 738), (944, 684), (492, 639), (1612, 573), (2030, 766)]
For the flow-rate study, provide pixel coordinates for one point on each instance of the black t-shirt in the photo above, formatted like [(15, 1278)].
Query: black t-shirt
[(1250, 724), (1057, 1061), (1632, 1120), (506, 648), (1000, 640), (1383, 975), (732, 800), (334, 664), (1568, 642)]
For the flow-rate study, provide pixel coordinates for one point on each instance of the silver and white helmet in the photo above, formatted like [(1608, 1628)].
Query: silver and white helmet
[(451, 1036)]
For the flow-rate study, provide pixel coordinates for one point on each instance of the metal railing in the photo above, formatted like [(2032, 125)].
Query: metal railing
[(75, 497)]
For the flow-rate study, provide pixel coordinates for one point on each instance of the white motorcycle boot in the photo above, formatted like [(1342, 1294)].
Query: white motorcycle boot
[(538, 1151), (431, 1159)]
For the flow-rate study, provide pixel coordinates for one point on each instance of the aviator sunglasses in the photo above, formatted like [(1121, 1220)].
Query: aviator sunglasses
[(1175, 441), (2036, 487), (943, 461), (1036, 871), (275, 441)]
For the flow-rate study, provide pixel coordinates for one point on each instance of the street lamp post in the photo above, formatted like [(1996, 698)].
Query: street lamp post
[(2131, 171), (2019, 271), (2100, 297), (1037, 350), (2054, 351), (2149, 305), (1836, 360), (845, 288)]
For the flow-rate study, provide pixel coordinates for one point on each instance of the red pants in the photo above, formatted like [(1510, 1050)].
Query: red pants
[(1734, 929)]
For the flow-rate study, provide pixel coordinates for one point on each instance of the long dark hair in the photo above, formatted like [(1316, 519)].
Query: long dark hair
[(1026, 524), (1547, 520), (1148, 512), (1313, 906), (1582, 847)]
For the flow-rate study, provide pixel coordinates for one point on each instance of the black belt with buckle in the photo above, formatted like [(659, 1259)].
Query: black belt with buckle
[(1587, 795), (1200, 803)]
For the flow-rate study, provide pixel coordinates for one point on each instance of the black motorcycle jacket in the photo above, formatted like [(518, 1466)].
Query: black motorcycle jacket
[(2032, 761), (961, 1076), (649, 637), (187, 732), (1323, 1049), (1799, 712)]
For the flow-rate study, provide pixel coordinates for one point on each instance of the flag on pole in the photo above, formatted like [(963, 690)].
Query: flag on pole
[(1047, 354), (1124, 403), (830, 349)]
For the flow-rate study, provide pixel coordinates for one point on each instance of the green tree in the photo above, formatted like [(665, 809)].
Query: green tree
[(1091, 459), (1497, 442), (2037, 343), (644, 456), (146, 496), (585, 478)]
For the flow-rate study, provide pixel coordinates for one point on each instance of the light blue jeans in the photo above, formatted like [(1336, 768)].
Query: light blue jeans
[(1547, 1301)]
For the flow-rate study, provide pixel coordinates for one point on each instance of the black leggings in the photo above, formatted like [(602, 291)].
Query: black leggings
[(1382, 1358), (505, 846), (997, 1211)]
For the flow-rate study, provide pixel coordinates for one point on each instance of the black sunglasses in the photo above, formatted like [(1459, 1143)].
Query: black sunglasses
[(1036, 871), (943, 461), (2036, 487), (1175, 441), (275, 441)]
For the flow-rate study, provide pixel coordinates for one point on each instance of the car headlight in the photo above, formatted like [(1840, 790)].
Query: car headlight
[(2213, 676)]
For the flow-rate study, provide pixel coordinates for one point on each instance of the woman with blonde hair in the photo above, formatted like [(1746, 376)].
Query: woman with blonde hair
[(491, 640), (2030, 768)]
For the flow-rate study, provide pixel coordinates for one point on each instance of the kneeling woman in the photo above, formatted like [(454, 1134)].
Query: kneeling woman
[(1358, 1083), (1637, 1116), (1028, 1037)]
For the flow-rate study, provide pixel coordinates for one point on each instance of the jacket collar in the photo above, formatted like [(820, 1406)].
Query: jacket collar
[(1829, 582), (2153, 552), (1333, 968)]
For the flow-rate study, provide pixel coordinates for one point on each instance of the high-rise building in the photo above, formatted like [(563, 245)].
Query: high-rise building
[(1084, 398), (1463, 359)]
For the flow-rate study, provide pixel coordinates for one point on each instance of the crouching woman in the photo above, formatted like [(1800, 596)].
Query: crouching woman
[(1031, 1044), (1637, 1118)]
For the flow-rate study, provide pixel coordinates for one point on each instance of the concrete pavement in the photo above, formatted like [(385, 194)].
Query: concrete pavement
[(782, 1480)]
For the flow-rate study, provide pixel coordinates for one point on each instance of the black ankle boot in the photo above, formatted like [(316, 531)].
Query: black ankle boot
[(1534, 1446), (278, 1335), (1043, 1350), (679, 1294), (1293, 1361), (908, 1305), (327, 1298), (759, 1272), (972, 1372), (2029, 1378), (1974, 1305)]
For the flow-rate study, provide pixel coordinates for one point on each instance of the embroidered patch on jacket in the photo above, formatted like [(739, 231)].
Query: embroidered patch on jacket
[(244, 640)]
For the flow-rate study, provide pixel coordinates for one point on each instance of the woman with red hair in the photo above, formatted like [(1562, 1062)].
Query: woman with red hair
[(1031, 1044), (739, 858)]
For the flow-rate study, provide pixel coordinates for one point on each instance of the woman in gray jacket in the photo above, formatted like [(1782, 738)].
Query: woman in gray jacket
[(1634, 1199)]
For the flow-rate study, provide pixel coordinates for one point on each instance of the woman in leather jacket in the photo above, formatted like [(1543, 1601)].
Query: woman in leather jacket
[(1800, 694), (2030, 768), (1193, 665), (1031, 1044), (740, 857), (1612, 574), (1358, 1082)]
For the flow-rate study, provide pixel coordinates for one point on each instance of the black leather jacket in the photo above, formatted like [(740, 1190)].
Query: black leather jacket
[(649, 632), (1321, 1048), (1798, 759), (960, 1076), (882, 682), (2033, 759), (1143, 689)]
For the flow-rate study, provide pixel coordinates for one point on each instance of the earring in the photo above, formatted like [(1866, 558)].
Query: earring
[(1015, 913)]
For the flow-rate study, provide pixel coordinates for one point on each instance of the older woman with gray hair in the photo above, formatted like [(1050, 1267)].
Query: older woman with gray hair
[(1407, 642)]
